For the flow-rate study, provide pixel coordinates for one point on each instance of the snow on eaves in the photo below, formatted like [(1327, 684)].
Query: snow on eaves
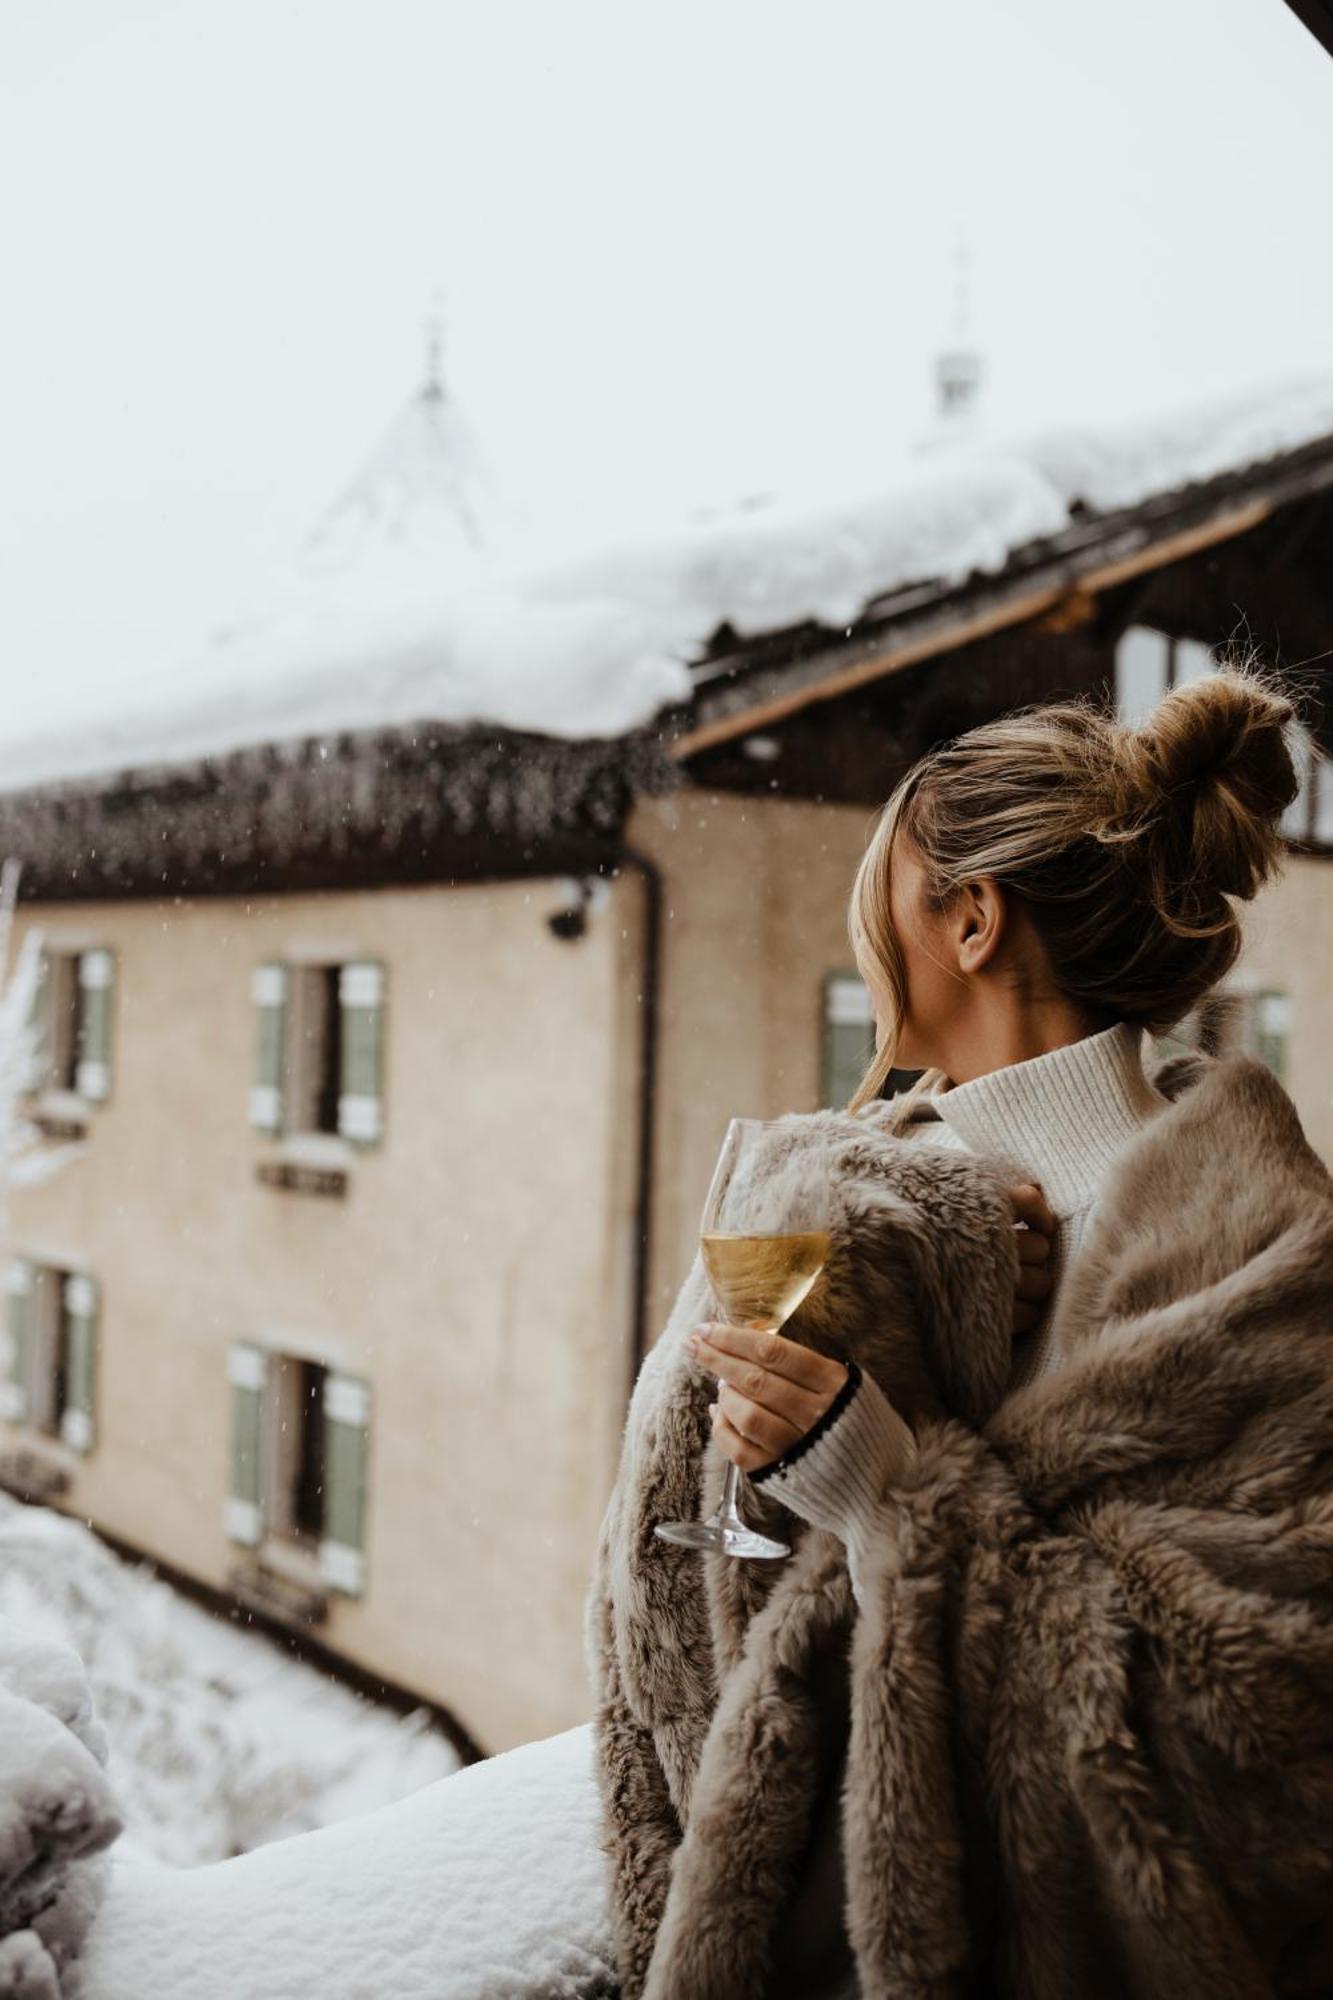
[(1106, 470), (601, 645)]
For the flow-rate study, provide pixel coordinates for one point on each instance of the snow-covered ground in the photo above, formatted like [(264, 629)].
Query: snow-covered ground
[(487, 1886), (381, 629), (219, 1741)]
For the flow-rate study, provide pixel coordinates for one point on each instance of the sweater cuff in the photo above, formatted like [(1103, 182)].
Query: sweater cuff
[(836, 1476)]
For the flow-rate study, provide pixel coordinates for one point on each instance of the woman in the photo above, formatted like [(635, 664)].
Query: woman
[(1037, 894)]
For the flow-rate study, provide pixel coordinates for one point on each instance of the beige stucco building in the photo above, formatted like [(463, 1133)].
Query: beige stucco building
[(384, 1179)]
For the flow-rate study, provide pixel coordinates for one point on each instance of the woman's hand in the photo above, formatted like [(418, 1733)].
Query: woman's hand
[(771, 1390), (1033, 1289)]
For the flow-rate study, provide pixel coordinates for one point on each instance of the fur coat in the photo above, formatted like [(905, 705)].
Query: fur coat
[(1089, 1681)]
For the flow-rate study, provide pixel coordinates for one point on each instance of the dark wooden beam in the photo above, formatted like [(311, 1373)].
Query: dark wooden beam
[(757, 686), (852, 750)]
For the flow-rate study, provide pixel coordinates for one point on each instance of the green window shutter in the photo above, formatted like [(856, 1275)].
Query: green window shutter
[(346, 1454), (20, 1318), (247, 1372), (849, 1036), (80, 1332), (361, 1092), (96, 975), (268, 989)]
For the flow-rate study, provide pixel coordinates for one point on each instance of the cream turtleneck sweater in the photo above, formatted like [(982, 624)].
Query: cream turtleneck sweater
[(1064, 1116)]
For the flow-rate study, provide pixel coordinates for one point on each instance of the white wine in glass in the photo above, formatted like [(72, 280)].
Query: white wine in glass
[(758, 1281)]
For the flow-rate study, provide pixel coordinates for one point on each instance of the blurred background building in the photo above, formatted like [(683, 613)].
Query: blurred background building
[(405, 958)]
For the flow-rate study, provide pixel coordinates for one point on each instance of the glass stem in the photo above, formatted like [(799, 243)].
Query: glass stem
[(728, 1513)]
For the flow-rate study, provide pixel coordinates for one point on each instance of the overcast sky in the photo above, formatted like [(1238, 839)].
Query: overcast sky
[(689, 250)]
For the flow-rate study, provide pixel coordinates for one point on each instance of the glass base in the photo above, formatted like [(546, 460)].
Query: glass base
[(732, 1539)]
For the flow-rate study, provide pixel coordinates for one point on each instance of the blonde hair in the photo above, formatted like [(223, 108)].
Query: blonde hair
[(1123, 843)]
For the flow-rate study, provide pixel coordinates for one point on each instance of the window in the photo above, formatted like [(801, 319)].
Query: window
[(50, 1351), (312, 1081), (1265, 1028), (1148, 662), (849, 1036), (300, 1447), (1309, 817), (296, 1445), (319, 1049), (71, 1023), (1255, 1020), (1142, 672), (849, 1041)]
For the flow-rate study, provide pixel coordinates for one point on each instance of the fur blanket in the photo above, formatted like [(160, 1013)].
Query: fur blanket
[(1091, 1676)]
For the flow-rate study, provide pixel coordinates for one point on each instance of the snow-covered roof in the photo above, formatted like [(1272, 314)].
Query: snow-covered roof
[(382, 627)]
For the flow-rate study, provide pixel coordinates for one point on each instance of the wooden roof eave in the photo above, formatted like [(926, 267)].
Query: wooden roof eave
[(735, 693)]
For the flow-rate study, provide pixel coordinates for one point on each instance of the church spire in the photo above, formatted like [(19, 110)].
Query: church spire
[(425, 486), (434, 383), (958, 364)]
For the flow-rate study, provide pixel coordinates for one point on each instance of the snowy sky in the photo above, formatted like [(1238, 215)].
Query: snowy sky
[(689, 250)]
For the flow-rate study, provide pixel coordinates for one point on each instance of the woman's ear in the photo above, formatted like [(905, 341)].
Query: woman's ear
[(980, 921)]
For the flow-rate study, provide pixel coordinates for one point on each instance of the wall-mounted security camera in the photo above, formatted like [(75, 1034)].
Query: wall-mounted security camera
[(584, 893)]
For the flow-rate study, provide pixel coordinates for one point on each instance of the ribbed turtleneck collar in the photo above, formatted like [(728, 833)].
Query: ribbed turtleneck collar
[(1064, 1115)]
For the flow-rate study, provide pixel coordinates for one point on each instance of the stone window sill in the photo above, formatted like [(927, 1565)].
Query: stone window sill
[(308, 1163), (292, 1560), (265, 1582), (60, 1114), (35, 1467)]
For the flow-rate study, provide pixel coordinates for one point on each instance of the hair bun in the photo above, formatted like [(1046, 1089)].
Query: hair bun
[(1200, 788), (1225, 725)]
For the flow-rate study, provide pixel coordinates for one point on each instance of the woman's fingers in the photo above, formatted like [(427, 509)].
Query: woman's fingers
[(760, 1427), (749, 1457), (779, 1376), (1031, 1206), (768, 1348), (1033, 1286), (759, 1385)]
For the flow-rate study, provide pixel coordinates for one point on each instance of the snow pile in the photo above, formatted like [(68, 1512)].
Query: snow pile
[(383, 631), (352, 657), (57, 1814), (1105, 470), (219, 1741), (487, 1886)]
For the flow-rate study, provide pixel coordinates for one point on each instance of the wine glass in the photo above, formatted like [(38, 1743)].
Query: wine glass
[(757, 1280)]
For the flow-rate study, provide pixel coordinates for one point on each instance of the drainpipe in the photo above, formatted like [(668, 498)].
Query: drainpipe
[(652, 973)]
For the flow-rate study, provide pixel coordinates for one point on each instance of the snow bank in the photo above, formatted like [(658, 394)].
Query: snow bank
[(600, 645), (486, 1886), (219, 1741), (58, 1814)]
